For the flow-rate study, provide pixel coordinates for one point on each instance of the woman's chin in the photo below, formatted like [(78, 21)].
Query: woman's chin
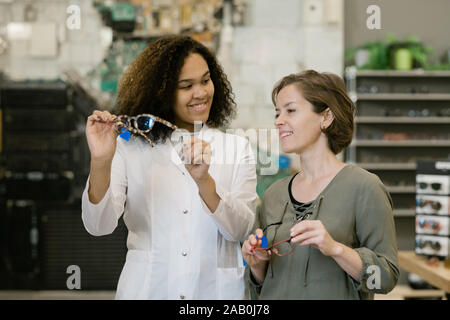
[(287, 149), (201, 121), (203, 118)]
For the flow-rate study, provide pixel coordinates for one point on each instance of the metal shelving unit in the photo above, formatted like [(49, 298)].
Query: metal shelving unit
[(398, 73), (401, 189), (418, 120), (404, 213), (403, 96), (402, 117), (388, 166), (401, 143)]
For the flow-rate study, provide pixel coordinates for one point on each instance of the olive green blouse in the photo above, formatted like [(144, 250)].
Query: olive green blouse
[(356, 210)]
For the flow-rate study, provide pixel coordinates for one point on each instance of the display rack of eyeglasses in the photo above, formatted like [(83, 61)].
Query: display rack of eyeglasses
[(433, 209), (402, 117), (44, 164), (36, 165), (37, 140)]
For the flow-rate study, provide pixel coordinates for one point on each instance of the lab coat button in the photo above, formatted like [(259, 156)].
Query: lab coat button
[(182, 297), (185, 211), (184, 254)]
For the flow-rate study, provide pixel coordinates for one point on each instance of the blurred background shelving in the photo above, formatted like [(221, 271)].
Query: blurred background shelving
[(396, 126)]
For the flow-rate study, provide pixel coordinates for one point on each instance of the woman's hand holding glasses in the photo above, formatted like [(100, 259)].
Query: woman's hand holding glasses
[(252, 251), (101, 136), (313, 232)]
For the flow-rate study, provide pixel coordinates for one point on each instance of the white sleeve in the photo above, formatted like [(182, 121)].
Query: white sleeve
[(101, 218), (235, 214)]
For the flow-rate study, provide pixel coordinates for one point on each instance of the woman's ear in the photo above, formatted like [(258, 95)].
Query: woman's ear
[(327, 119)]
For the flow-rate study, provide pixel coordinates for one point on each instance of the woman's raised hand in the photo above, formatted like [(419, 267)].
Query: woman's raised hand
[(101, 135)]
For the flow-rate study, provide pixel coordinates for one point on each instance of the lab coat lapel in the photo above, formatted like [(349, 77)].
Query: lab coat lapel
[(170, 154)]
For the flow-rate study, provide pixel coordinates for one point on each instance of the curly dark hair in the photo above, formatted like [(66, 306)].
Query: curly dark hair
[(150, 82)]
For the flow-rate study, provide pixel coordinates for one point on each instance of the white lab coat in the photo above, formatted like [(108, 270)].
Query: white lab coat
[(177, 248)]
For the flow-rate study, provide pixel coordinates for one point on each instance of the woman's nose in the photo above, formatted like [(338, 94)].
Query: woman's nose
[(199, 92), (279, 121)]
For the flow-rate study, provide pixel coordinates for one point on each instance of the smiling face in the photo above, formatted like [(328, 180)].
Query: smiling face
[(298, 124), (194, 94)]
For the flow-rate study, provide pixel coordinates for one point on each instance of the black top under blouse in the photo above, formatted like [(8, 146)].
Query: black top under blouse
[(300, 207)]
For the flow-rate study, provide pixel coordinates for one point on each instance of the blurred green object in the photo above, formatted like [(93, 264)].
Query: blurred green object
[(109, 86), (110, 73), (121, 11), (419, 51), (265, 181), (120, 55), (438, 66), (410, 49), (378, 55), (403, 59), (383, 54), (131, 49)]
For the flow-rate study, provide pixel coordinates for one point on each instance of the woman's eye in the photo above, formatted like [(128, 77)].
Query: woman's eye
[(206, 81), (276, 115), (186, 87), (290, 110)]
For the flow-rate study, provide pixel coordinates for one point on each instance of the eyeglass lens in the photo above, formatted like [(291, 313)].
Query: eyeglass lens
[(435, 205), (435, 245), (433, 224), (261, 254), (282, 249), (435, 186), (145, 123)]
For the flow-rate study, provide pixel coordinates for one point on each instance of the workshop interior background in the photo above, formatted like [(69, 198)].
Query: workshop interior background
[(61, 59)]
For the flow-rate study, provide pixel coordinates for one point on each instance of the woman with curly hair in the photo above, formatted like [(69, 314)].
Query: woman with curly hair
[(185, 208)]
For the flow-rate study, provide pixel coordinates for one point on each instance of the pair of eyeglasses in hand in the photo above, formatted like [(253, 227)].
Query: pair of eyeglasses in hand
[(140, 124), (280, 248)]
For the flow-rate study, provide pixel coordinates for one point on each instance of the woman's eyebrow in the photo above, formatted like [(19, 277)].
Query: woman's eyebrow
[(190, 80), (289, 103), (286, 104)]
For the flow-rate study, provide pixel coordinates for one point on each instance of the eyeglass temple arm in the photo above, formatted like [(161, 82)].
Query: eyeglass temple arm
[(167, 123), (279, 242), (134, 131), (146, 138)]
